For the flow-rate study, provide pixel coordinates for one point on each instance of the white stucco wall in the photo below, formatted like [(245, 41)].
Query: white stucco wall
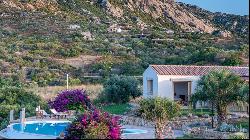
[(163, 84), (166, 86), (150, 74)]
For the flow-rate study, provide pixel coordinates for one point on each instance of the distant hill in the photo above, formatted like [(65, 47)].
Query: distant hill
[(41, 39), (238, 25)]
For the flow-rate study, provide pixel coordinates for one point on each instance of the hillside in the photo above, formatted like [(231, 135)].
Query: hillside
[(42, 40), (237, 25)]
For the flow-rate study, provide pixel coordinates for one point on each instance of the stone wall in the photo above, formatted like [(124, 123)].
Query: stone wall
[(128, 120), (210, 134), (177, 124), (183, 124)]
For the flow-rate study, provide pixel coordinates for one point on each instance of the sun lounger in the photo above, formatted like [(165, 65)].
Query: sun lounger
[(59, 114), (45, 114)]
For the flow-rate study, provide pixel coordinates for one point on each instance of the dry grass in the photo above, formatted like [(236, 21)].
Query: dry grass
[(50, 92), (79, 62)]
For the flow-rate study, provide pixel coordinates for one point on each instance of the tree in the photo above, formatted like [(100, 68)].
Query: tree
[(137, 47), (244, 50), (106, 65), (207, 54), (221, 89), (233, 60), (160, 111), (119, 89), (13, 96), (235, 57)]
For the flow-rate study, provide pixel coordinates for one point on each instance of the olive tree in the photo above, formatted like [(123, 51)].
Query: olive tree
[(120, 89), (160, 111), (220, 89)]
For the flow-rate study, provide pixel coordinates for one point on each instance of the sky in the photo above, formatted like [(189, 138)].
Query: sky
[(237, 7)]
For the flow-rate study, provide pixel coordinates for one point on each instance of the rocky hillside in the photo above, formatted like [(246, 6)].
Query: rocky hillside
[(238, 25), (165, 11), (41, 39)]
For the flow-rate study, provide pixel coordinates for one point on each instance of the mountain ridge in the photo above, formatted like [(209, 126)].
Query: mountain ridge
[(40, 39)]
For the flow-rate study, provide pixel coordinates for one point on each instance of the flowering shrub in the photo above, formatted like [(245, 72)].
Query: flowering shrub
[(94, 125), (71, 100)]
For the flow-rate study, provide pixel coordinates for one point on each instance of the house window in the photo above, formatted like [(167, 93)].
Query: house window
[(150, 87)]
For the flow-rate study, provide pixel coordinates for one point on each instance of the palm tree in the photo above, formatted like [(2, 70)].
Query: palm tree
[(160, 111), (221, 89)]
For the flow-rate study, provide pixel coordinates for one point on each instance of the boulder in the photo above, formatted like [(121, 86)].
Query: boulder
[(206, 116), (195, 117), (74, 26), (190, 115), (184, 118)]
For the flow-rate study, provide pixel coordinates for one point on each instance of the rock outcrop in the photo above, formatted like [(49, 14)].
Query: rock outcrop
[(168, 10)]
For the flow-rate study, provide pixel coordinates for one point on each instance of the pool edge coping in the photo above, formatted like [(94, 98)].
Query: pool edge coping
[(31, 134)]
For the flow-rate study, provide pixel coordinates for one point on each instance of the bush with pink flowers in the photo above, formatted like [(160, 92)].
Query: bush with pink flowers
[(94, 125), (71, 100)]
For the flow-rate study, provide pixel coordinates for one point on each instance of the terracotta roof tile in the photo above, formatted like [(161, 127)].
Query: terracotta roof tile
[(197, 70)]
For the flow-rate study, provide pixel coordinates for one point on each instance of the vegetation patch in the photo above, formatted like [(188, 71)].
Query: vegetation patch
[(197, 112), (118, 109), (120, 89), (13, 96)]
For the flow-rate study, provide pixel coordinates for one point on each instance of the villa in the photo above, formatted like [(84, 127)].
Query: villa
[(178, 82)]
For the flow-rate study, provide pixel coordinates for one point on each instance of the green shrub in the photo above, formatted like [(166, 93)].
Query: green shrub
[(160, 111), (207, 55), (72, 52), (14, 97), (233, 60), (238, 135), (74, 81), (119, 89), (3, 123)]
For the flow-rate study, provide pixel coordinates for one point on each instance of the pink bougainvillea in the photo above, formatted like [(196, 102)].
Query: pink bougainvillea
[(93, 124), (71, 100), (80, 129)]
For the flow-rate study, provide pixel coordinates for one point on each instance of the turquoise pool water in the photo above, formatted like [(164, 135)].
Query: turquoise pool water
[(49, 129), (53, 129), (133, 131)]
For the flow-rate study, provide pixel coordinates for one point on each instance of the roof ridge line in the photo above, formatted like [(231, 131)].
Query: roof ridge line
[(196, 70), (202, 66)]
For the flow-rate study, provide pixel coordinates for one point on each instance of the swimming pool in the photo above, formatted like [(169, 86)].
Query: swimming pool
[(46, 130), (128, 131)]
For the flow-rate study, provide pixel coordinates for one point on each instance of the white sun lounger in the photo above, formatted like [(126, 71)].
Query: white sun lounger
[(58, 114), (45, 114)]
